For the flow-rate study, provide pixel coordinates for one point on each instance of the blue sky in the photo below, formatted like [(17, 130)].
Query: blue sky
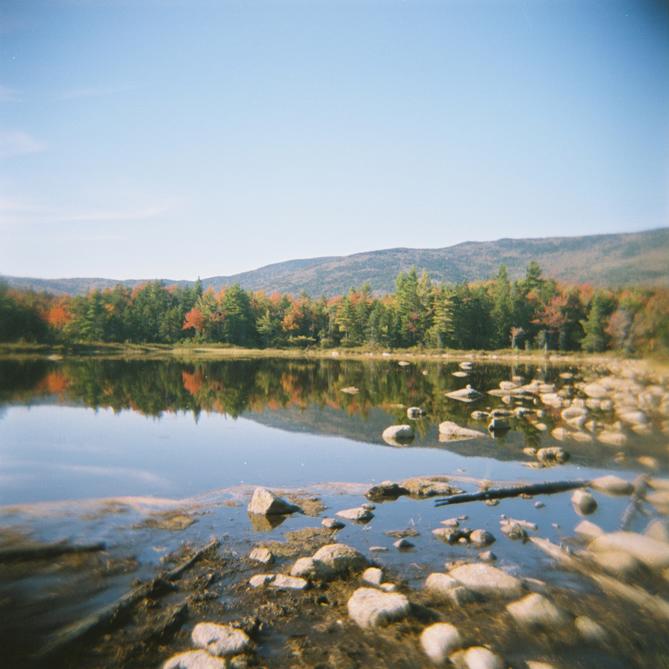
[(174, 138)]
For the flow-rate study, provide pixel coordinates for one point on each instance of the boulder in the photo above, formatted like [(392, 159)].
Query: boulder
[(588, 531), (220, 640), (195, 659), (372, 576), (450, 431), (262, 555), (265, 503), (306, 567), (358, 513), (283, 582), (617, 563), (332, 524), (658, 529), (439, 641), (649, 551), (398, 434), (386, 490), (481, 538), (369, 607), (612, 485), (441, 584), (477, 657), (584, 503), (340, 558), (487, 580), (534, 610)]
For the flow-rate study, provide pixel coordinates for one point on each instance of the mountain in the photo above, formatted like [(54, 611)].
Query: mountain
[(601, 260)]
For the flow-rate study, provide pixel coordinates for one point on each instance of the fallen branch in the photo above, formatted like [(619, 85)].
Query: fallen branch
[(45, 551), (632, 593), (107, 615), (514, 491)]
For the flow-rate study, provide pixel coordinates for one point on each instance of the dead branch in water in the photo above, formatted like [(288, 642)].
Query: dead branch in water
[(25, 552), (514, 491), (107, 615)]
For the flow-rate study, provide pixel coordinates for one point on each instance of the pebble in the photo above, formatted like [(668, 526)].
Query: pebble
[(369, 607), (220, 640), (539, 505), (403, 544), (332, 524), (439, 641)]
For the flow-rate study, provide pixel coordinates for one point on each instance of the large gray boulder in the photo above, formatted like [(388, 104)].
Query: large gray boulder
[(369, 607), (220, 640), (265, 503)]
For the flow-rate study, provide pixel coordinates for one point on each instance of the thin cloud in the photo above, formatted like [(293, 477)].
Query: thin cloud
[(18, 143), (93, 92)]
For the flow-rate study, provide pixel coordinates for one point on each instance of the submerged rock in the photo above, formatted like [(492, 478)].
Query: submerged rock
[(450, 431), (369, 607), (534, 610), (220, 640), (265, 503), (195, 659), (439, 641)]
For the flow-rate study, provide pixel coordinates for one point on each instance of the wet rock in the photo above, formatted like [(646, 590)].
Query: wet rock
[(450, 431), (552, 455), (439, 641), (584, 503), (369, 607), (265, 503), (340, 558), (612, 485), (440, 584), (358, 513), (261, 580), (590, 630), (481, 538), (415, 412), (372, 576), (283, 582), (332, 524), (534, 610), (487, 580), (220, 640), (477, 657), (649, 551), (588, 531), (398, 434), (658, 529), (387, 490), (429, 486), (262, 555), (466, 394), (194, 659), (403, 544)]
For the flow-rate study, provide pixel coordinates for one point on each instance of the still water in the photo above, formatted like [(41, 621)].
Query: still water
[(95, 428)]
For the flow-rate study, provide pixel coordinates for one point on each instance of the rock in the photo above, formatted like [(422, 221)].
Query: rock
[(590, 630), (479, 415), (552, 455), (429, 486), (369, 607), (403, 363), (260, 580), (612, 485), (403, 544), (466, 365), (387, 490), (584, 503), (306, 567), (460, 375), (487, 556), (283, 582), (340, 558), (466, 394), (415, 412), (513, 530), (359, 514), (350, 390), (660, 500), (378, 549), (194, 659), (262, 555), (539, 504), (487, 580), (633, 417), (451, 522), (372, 576), (451, 535), (332, 524), (498, 425), (617, 563), (649, 551), (574, 416), (481, 538), (265, 503), (439, 641), (658, 529), (401, 434), (534, 610), (220, 640), (440, 584), (587, 530), (477, 657), (450, 431), (595, 391), (537, 664), (388, 587), (611, 437)]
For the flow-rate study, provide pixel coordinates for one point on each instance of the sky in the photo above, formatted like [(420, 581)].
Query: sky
[(185, 138)]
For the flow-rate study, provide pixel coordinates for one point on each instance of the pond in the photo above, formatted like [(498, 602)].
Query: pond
[(94, 450)]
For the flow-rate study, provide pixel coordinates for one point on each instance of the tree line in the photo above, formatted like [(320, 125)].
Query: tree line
[(534, 312)]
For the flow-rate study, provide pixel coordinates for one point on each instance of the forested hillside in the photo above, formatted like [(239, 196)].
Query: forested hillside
[(530, 312)]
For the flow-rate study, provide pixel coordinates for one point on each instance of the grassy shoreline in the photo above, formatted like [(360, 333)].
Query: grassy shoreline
[(211, 352)]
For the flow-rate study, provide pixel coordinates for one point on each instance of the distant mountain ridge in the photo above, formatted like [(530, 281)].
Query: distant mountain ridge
[(601, 260)]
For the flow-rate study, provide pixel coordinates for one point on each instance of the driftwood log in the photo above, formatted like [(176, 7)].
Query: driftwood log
[(25, 552), (512, 491)]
